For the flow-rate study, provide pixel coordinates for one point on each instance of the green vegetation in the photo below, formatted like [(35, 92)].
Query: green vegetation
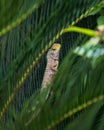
[(76, 95)]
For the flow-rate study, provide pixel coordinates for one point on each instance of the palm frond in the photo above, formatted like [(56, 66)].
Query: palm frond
[(28, 36), (85, 120)]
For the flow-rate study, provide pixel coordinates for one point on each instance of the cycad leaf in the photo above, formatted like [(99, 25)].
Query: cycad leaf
[(22, 46), (85, 120)]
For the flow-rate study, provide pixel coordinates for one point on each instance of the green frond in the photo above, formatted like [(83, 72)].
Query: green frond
[(27, 31), (85, 120)]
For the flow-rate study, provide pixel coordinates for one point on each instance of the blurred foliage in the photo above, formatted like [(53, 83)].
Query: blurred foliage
[(76, 95)]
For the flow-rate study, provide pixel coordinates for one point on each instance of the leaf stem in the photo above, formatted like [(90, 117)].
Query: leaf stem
[(86, 31)]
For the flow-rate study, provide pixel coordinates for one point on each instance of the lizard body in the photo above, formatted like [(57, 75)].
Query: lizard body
[(52, 64)]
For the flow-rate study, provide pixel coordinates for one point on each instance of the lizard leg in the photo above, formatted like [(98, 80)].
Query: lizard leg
[(54, 66)]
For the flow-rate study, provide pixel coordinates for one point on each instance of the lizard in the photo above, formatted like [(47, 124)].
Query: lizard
[(52, 64)]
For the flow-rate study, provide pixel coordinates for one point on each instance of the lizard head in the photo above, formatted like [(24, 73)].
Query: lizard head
[(54, 51), (56, 47)]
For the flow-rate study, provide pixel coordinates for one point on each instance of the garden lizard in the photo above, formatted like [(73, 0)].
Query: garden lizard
[(52, 64)]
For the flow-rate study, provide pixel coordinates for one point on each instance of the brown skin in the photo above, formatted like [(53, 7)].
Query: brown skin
[(52, 64)]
